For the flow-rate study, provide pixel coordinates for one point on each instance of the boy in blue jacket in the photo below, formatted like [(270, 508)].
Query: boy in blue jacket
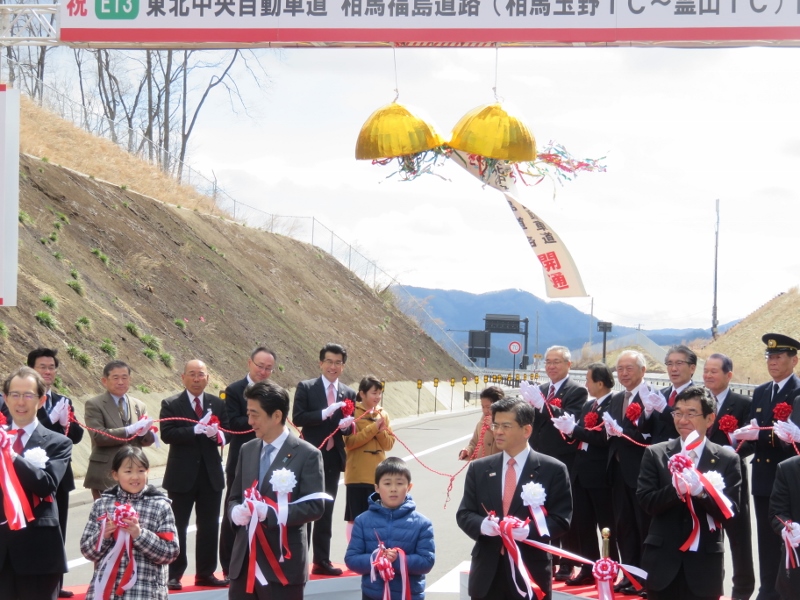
[(393, 521)]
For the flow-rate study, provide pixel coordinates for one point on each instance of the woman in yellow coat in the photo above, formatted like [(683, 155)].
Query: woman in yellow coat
[(366, 447)]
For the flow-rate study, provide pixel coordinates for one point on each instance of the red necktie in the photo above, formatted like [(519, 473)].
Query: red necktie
[(552, 393), (18, 447), (509, 486), (331, 400), (672, 396), (198, 409)]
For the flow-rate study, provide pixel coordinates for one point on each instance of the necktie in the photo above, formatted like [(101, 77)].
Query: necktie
[(672, 396), (123, 411), (49, 402), (331, 400), (509, 486), (198, 408), (18, 447), (625, 401), (775, 390), (263, 467), (552, 393), (693, 456)]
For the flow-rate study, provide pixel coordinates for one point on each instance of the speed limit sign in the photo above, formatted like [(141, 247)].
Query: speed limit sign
[(514, 347)]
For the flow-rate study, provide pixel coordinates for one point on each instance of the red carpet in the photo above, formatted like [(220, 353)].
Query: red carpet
[(189, 586), (589, 591)]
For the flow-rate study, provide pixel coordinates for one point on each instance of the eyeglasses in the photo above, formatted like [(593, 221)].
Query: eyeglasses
[(28, 396), (548, 363), (332, 363), (677, 363), (685, 415), (503, 426), (263, 368)]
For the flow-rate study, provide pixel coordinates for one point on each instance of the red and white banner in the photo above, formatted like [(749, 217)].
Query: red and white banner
[(429, 22)]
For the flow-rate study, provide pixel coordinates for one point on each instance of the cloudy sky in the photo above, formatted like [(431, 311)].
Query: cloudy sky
[(679, 129)]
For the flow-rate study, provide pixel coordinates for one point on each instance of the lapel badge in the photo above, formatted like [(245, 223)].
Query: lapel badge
[(713, 460), (758, 409), (492, 474)]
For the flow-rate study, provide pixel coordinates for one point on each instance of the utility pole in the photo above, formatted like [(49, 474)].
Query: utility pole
[(714, 321)]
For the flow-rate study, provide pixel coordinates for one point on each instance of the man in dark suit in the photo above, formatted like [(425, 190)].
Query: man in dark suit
[(784, 510), (259, 368), (624, 460), (561, 395), (317, 409), (495, 483), (274, 449), (32, 559), (693, 573), (193, 476), (55, 416), (769, 450), (717, 374), (591, 489), (681, 363)]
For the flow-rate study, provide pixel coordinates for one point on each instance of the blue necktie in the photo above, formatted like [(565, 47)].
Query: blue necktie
[(265, 462)]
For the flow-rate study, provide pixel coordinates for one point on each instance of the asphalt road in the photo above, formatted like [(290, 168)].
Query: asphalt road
[(436, 440)]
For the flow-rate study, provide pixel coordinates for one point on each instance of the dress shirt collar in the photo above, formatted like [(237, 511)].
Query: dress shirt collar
[(603, 399), (277, 443), (27, 430), (721, 398), (557, 385), (782, 382), (698, 450), (680, 388), (328, 384)]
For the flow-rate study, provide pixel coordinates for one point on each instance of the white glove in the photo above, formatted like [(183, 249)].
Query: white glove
[(490, 527), (145, 426), (212, 431), (532, 394), (651, 399), (788, 432), (521, 533), (693, 482), (240, 515), (565, 423), (261, 510), (327, 412), (200, 428), (748, 432), (132, 428), (63, 416), (794, 534), (680, 486), (345, 423), (612, 427), (55, 412)]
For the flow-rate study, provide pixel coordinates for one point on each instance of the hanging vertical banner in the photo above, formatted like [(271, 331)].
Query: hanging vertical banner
[(9, 194), (561, 276)]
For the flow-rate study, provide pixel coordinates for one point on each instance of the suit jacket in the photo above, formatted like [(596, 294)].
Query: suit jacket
[(591, 465), (188, 451), (309, 401), (737, 406), (483, 487), (660, 425), (784, 504), (768, 450), (74, 433), (101, 413), (305, 461), (545, 437), (38, 548), (236, 412), (627, 455), (671, 522)]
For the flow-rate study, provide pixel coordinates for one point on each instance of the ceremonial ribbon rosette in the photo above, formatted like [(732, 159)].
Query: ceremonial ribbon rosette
[(555, 402), (211, 420), (347, 420), (633, 412), (258, 512), (348, 408), (781, 411), (108, 568), (605, 573), (534, 496), (36, 456), (590, 420), (790, 540), (727, 425), (382, 566), (15, 502), (515, 557)]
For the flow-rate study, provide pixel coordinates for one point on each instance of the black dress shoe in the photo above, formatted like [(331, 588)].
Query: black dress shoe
[(630, 591), (618, 587), (582, 578), (174, 584), (643, 594), (326, 568), (65, 594), (210, 581), (563, 574)]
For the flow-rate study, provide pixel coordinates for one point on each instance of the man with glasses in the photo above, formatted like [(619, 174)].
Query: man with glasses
[(113, 415), (259, 368), (681, 363), (193, 477), (717, 374), (769, 450), (493, 490), (561, 396), (317, 409), (675, 567), (55, 416)]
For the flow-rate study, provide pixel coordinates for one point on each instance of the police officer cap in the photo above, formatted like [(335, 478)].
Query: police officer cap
[(777, 342)]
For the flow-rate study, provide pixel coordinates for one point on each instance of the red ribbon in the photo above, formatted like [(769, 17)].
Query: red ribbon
[(15, 501)]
